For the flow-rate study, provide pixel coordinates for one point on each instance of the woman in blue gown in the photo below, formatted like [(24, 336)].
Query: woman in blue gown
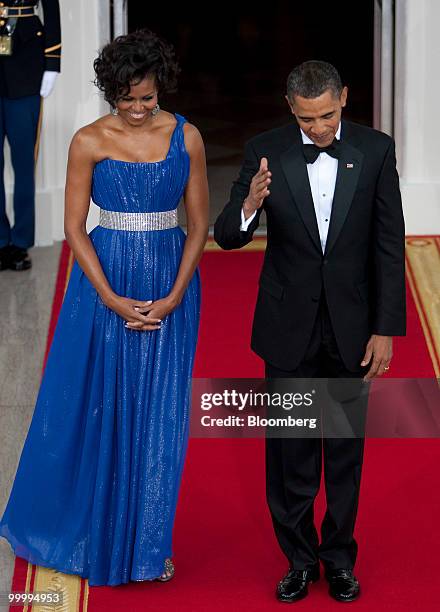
[(96, 488)]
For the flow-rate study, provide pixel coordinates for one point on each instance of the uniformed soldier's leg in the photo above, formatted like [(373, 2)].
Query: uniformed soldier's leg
[(5, 228), (21, 124)]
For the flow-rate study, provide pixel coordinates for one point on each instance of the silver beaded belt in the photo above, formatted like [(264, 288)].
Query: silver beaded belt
[(138, 222)]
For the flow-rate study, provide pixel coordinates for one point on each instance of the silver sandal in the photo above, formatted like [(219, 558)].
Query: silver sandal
[(168, 573)]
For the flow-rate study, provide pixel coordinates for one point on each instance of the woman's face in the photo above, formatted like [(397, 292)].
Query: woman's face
[(135, 107)]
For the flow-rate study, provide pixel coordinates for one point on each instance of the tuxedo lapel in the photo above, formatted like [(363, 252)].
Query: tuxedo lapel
[(349, 168), (295, 170)]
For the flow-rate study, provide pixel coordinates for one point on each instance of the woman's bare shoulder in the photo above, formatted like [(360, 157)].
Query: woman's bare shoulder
[(89, 138), (165, 122), (167, 116), (193, 138)]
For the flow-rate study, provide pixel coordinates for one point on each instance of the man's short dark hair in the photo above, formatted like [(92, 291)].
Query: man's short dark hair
[(311, 79)]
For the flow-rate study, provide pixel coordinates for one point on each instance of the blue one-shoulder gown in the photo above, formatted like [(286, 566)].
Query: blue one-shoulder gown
[(96, 488)]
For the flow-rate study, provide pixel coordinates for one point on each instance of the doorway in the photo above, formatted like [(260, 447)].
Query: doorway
[(235, 63)]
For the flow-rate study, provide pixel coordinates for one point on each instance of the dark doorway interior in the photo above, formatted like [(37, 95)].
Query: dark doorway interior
[(235, 60)]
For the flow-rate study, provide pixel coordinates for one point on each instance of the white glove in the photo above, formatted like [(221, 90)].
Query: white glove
[(48, 82)]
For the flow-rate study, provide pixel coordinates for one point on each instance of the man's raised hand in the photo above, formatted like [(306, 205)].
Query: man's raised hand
[(258, 189)]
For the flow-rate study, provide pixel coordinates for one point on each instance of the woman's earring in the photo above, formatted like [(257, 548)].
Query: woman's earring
[(155, 110), (114, 110)]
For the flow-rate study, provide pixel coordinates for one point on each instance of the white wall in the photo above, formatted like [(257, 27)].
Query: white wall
[(74, 103), (417, 120)]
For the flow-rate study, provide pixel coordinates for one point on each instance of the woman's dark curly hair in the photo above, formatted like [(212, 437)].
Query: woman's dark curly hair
[(129, 59)]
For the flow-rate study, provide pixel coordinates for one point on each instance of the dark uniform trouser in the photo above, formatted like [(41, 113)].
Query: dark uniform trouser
[(19, 123), (293, 470)]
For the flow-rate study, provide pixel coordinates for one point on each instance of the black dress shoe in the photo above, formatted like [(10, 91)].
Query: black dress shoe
[(293, 586), (5, 256), (343, 586), (19, 259)]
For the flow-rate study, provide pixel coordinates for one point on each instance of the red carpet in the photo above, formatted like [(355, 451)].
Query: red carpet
[(226, 554)]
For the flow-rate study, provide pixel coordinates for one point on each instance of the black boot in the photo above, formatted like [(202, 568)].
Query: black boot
[(19, 259), (5, 256)]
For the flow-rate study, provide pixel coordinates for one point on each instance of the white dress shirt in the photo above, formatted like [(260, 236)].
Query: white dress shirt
[(322, 179)]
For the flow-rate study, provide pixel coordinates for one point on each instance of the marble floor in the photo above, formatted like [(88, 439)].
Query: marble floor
[(25, 303)]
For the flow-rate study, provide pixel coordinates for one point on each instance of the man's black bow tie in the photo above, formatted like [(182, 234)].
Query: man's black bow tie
[(311, 151)]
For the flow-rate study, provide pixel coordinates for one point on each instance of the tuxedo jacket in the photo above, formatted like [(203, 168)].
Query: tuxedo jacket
[(36, 48), (362, 270)]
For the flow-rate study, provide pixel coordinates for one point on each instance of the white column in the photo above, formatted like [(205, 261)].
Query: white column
[(417, 126), (119, 17), (74, 102), (383, 66)]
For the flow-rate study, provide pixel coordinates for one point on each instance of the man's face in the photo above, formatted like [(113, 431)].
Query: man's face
[(319, 117)]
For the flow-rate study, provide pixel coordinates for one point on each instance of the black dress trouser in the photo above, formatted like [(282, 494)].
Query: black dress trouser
[(293, 469)]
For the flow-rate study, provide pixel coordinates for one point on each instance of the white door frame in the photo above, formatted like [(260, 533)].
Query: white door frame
[(383, 95), (120, 24)]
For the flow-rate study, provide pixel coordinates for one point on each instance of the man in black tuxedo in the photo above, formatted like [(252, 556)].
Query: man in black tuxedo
[(331, 297)]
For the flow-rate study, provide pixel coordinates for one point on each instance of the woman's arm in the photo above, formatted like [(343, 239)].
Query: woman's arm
[(77, 201), (81, 162), (196, 199)]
